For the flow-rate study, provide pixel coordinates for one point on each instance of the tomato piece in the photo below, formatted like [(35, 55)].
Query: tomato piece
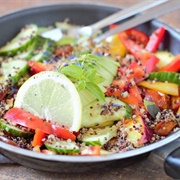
[(91, 151), (151, 63), (125, 91), (175, 102), (63, 50), (135, 49), (160, 99), (138, 36), (173, 66), (27, 119), (138, 72), (155, 40), (38, 137), (36, 67), (164, 128)]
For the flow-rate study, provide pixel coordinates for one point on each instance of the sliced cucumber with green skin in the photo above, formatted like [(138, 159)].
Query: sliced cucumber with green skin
[(170, 77), (13, 70), (15, 131), (98, 113), (20, 41), (43, 50), (62, 147), (98, 136), (28, 52)]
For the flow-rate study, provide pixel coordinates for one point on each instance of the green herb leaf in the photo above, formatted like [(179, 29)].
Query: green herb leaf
[(95, 90), (73, 71), (80, 85), (152, 108)]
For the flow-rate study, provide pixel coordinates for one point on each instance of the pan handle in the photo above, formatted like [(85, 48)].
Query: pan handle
[(168, 158)]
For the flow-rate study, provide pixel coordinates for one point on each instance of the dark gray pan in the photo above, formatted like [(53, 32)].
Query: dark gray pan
[(82, 14)]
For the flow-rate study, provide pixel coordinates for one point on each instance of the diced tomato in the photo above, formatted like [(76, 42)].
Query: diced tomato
[(135, 49), (173, 66), (137, 36), (63, 50), (160, 99), (91, 151), (175, 102), (151, 63), (36, 67), (38, 138), (27, 119), (164, 128), (155, 40), (125, 91)]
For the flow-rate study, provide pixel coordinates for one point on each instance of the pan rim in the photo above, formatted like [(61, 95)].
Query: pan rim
[(82, 159)]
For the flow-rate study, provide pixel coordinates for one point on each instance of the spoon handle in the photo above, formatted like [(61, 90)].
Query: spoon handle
[(128, 12), (137, 20)]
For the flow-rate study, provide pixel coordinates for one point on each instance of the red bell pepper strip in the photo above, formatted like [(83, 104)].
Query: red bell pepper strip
[(36, 67), (135, 49), (134, 34), (27, 119), (38, 137), (155, 40), (137, 36), (173, 66)]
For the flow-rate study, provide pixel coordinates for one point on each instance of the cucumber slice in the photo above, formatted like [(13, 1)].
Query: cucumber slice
[(98, 113), (170, 77), (15, 131), (13, 70), (43, 49), (66, 40), (98, 136), (61, 146), (20, 41)]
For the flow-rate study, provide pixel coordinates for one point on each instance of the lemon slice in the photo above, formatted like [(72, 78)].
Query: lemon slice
[(53, 97)]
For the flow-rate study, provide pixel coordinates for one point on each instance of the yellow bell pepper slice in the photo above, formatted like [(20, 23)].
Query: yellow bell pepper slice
[(164, 87), (116, 47)]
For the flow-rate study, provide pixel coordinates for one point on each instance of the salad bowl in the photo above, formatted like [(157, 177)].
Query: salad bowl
[(47, 15)]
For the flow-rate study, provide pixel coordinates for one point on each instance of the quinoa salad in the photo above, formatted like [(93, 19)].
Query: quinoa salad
[(128, 89)]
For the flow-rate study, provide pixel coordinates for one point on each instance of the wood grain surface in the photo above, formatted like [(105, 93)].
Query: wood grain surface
[(140, 170)]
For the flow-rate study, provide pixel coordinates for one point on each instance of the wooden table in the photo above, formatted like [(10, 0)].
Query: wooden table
[(139, 170)]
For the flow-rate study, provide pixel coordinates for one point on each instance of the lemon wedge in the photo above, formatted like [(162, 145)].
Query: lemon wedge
[(52, 97)]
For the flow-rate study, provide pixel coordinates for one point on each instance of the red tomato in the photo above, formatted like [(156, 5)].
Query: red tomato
[(63, 50), (164, 128), (160, 99), (27, 119), (36, 67)]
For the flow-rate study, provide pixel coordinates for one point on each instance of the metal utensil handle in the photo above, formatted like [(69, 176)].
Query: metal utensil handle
[(168, 158), (149, 15), (128, 12)]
